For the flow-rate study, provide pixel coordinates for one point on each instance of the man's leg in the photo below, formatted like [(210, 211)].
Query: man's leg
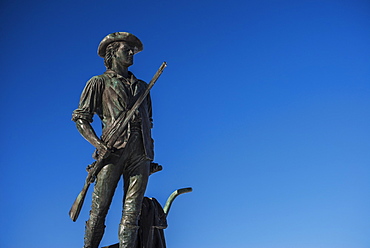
[(104, 189), (136, 174), (135, 186)]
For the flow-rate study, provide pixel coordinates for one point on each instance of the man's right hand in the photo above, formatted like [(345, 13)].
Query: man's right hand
[(102, 151), (84, 127)]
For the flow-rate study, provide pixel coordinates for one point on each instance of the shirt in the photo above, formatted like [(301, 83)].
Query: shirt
[(109, 95)]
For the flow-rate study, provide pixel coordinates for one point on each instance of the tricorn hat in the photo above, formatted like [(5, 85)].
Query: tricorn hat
[(119, 36)]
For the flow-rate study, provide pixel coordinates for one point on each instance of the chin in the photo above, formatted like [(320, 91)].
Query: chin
[(129, 63)]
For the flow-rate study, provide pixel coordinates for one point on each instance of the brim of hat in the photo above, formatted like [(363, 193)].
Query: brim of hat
[(119, 36)]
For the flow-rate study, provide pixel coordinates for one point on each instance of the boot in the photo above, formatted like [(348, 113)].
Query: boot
[(128, 236), (93, 235)]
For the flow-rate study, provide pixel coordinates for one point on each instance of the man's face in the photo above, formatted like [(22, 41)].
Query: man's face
[(125, 54)]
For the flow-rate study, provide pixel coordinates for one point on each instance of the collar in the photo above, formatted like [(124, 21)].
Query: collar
[(130, 79)]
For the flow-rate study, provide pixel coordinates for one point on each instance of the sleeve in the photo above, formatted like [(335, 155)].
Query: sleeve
[(90, 101)]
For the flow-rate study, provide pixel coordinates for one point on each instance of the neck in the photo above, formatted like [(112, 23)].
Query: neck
[(120, 69)]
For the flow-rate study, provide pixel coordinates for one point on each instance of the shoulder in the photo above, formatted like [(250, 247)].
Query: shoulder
[(141, 85), (97, 81), (141, 82)]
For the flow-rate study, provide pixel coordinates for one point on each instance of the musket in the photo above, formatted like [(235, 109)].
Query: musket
[(112, 135)]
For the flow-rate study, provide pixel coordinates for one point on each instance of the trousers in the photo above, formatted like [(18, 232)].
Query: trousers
[(134, 165)]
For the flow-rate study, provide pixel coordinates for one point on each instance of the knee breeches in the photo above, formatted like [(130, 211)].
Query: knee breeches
[(133, 164)]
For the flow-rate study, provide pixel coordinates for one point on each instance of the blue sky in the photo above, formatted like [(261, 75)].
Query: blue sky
[(263, 110)]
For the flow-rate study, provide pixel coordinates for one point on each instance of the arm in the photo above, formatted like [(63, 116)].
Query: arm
[(90, 101), (89, 134)]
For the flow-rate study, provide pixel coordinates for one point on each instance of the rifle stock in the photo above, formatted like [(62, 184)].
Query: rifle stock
[(93, 170), (75, 210)]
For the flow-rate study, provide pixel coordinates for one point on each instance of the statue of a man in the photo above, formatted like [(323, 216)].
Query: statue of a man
[(110, 95)]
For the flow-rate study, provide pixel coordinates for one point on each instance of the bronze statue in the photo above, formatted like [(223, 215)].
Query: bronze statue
[(122, 149)]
